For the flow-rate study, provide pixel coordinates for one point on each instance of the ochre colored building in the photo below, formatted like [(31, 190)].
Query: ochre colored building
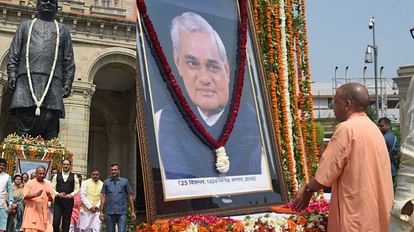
[(99, 127)]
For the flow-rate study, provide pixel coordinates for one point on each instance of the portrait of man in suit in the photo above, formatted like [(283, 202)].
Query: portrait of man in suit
[(202, 64)]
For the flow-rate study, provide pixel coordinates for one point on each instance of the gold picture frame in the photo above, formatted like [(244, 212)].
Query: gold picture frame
[(169, 195), (29, 166)]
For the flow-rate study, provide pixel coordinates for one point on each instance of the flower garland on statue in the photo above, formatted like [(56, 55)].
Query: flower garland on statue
[(15, 147), (29, 76), (222, 161)]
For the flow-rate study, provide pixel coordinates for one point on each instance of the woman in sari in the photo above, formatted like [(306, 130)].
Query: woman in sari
[(14, 220), (25, 178)]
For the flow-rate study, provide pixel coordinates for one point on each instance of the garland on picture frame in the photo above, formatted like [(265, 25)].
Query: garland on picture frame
[(186, 110), (281, 30), (16, 147)]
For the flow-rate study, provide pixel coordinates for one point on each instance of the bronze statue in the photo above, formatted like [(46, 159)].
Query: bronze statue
[(40, 71)]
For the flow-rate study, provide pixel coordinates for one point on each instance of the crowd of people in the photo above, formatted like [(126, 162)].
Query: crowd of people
[(64, 203)]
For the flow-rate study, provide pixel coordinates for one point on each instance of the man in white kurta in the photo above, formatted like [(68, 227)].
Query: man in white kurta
[(6, 194), (90, 194)]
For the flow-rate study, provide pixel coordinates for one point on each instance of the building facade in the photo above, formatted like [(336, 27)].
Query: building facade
[(99, 126)]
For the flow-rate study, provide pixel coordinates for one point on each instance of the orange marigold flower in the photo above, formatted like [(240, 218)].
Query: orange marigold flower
[(291, 225), (220, 226), (301, 221), (202, 229), (154, 228), (144, 228), (179, 226), (238, 227)]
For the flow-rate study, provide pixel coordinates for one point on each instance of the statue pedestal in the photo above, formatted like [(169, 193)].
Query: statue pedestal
[(15, 148)]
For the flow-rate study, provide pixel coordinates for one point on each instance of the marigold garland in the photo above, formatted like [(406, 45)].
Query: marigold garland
[(269, 33), (303, 120), (275, 108), (256, 15), (308, 81), (290, 93), (307, 222), (291, 98), (273, 88), (287, 165), (16, 147), (282, 79), (294, 94), (309, 86)]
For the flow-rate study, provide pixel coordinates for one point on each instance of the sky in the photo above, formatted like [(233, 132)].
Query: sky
[(338, 35)]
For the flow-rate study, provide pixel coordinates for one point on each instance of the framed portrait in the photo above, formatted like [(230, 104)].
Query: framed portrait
[(180, 168), (29, 166)]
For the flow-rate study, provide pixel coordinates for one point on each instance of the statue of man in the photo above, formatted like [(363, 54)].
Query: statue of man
[(40, 72)]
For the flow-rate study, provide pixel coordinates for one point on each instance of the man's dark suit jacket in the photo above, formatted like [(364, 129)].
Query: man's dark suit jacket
[(184, 155)]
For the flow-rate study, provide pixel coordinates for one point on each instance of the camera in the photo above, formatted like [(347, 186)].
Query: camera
[(371, 23)]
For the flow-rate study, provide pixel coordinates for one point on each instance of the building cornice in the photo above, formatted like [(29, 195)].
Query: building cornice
[(86, 28)]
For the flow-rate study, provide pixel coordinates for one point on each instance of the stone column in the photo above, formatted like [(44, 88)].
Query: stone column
[(3, 86), (405, 73), (74, 128), (121, 150)]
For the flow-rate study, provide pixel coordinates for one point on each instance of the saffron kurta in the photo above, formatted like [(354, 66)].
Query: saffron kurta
[(36, 212), (357, 166)]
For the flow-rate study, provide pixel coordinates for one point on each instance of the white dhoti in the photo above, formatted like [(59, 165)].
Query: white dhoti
[(89, 221), (90, 194)]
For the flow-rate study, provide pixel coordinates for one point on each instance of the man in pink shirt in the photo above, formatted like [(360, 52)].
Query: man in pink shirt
[(356, 165)]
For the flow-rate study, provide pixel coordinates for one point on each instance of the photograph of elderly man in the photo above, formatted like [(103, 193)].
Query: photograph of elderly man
[(202, 63)]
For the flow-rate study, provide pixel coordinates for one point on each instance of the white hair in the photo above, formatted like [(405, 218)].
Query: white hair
[(192, 22)]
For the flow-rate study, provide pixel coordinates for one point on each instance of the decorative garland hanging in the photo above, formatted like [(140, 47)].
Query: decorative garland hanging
[(294, 94), (281, 30), (38, 103), (222, 162)]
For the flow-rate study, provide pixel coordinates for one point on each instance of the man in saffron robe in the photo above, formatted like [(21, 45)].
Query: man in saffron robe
[(37, 193), (356, 164), (90, 194)]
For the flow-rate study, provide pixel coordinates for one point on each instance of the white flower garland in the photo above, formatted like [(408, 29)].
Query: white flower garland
[(39, 102), (222, 161), (2, 153), (286, 84)]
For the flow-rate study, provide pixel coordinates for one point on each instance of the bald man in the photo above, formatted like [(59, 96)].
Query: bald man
[(37, 193), (354, 164)]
